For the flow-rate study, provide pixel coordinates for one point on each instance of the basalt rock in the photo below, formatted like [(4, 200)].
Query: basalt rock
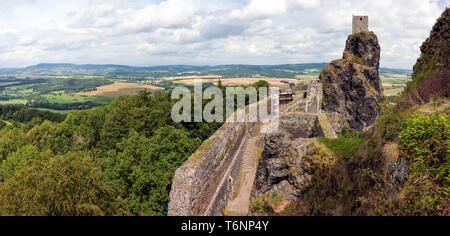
[(292, 167), (352, 85), (431, 76)]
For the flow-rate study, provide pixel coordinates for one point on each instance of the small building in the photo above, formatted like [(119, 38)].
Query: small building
[(360, 23)]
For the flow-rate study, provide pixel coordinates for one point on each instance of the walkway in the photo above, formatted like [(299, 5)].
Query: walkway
[(239, 206)]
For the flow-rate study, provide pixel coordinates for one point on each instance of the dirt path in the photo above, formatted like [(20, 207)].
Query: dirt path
[(239, 206)]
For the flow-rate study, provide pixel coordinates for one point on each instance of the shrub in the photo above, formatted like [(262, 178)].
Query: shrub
[(389, 123), (426, 139), (437, 102), (257, 206)]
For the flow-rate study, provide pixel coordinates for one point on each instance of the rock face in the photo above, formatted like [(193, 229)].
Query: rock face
[(352, 86), (301, 125), (292, 167), (431, 76), (274, 172)]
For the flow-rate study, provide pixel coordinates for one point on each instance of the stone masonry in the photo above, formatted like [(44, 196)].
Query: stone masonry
[(360, 23)]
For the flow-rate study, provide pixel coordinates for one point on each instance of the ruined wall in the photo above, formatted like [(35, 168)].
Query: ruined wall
[(200, 184), (310, 102), (225, 187), (315, 94)]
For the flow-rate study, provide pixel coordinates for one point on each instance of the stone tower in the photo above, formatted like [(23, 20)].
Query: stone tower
[(360, 23)]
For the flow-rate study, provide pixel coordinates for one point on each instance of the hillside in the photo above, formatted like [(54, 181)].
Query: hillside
[(232, 71), (431, 74), (399, 166)]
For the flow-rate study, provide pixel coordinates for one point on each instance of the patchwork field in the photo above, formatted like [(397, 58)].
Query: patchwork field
[(61, 88), (193, 77), (14, 102), (65, 98), (119, 89), (8, 83), (392, 92), (307, 78), (279, 82)]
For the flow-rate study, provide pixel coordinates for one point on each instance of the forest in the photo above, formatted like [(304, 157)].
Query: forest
[(111, 160)]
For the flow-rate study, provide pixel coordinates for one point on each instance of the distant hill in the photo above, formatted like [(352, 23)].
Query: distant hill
[(233, 71)]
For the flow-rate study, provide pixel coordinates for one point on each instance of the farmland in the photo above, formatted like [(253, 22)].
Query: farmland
[(119, 89), (278, 82), (64, 87), (394, 84)]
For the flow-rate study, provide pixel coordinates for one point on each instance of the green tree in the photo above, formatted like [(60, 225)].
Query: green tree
[(143, 169), (67, 185), (17, 160)]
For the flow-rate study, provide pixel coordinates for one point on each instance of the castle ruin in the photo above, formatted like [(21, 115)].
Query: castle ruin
[(360, 23)]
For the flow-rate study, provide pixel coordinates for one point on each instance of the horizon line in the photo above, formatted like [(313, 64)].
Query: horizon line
[(204, 65)]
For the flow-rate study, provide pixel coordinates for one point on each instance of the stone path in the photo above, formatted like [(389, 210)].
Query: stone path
[(239, 206)]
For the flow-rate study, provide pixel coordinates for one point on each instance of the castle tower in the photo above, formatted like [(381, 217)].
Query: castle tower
[(360, 23)]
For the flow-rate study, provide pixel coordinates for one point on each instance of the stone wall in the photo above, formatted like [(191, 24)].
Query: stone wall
[(201, 183), (360, 23), (314, 98)]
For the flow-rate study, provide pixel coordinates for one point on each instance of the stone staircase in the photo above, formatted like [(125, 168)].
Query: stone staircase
[(239, 206)]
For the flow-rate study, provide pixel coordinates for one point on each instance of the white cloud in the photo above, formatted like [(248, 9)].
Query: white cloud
[(156, 32)]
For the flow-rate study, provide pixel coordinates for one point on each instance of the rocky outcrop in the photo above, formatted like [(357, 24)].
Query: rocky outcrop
[(292, 167), (352, 86), (363, 45), (431, 76), (301, 125)]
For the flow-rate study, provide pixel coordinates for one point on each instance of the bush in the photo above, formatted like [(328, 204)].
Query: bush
[(389, 123), (425, 139), (258, 207), (437, 102)]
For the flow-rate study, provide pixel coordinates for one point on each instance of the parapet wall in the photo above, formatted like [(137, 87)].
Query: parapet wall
[(200, 184)]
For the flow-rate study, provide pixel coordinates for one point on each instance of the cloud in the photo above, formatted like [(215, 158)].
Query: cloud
[(157, 32)]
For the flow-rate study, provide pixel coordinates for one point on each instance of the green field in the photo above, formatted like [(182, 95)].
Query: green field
[(55, 111), (64, 98), (14, 102), (389, 81), (61, 88), (392, 92), (53, 94)]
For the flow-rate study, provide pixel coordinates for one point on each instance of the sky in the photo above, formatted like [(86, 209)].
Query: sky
[(207, 32)]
